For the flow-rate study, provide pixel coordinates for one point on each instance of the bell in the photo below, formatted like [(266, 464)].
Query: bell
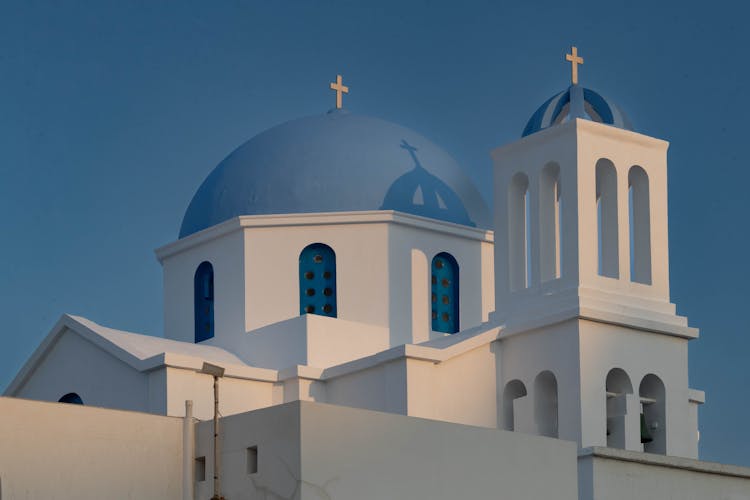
[(645, 434)]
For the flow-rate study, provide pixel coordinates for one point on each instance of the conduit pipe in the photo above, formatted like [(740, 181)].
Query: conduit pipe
[(188, 453)]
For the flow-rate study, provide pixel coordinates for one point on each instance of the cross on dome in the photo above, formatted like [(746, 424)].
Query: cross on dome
[(574, 60), (340, 89), (412, 151)]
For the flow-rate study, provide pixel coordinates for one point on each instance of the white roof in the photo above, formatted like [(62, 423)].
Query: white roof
[(142, 352), (147, 346), (146, 353)]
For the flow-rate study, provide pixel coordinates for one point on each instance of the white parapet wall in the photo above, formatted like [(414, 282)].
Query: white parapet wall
[(65, 451), (311, 451), (613, 474)]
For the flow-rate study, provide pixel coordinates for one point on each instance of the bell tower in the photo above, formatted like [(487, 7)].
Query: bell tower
[(581, 222), (582, 281)]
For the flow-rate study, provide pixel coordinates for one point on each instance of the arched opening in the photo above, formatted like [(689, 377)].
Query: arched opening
[(71, 398), (317, 280), (550, 219), (653, 416), (640, 226), (606, 212), (545, 403), (617, 388), (513, 391), (203, 292), (519, 244), (445, 298)]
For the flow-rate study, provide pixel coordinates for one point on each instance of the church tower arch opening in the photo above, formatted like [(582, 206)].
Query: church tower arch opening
[(545, 404), (606, 215), (640, 225), (653, 416), (515, 389), (550, 223), (518, 232), (617, 387)]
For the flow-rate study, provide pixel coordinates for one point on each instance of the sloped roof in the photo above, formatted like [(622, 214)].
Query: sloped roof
[(141, 352)]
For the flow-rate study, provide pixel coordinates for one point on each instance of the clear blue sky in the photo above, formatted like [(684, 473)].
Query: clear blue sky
[(112, 113)]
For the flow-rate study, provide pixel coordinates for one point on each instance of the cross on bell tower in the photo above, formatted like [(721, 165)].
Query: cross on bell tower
[(574, 60)]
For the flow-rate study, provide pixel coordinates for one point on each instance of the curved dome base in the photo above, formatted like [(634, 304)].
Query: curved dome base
[(336, 162)]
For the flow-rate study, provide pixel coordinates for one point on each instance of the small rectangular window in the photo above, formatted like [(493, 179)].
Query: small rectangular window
[(200, 469), (252, 460)]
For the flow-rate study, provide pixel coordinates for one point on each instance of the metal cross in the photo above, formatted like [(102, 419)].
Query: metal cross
[(340, 90), (575, 61)]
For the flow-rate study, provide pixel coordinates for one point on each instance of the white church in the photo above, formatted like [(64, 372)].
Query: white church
[(382, 334)]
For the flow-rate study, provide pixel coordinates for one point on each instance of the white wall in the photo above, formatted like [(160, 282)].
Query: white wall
[(530, 156), (321, 451), (638, 353), (462, 389), (381, 388), (61, 451), (576, 147), (525, 355), (608, 474), (73, 364), (225, 253), (272, 271), (276, 433), (367, 455), (476, 287), (235, 395), (309, 339), (256, 271)]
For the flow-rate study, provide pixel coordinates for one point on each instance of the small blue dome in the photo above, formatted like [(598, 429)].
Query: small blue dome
[(576, 102), (336, 162)]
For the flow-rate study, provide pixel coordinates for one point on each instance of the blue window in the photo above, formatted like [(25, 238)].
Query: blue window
[(444, 293), (71, 397), (317, 280), (204, 302)]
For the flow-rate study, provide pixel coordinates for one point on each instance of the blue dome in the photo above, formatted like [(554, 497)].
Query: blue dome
[(336, 162), (576, 102)]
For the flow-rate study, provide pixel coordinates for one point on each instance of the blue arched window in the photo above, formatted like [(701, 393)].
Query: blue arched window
[(203, 287), (71, 397), (317, 280), (444, 293)]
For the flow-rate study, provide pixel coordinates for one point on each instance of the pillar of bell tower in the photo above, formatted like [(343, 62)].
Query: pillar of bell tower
[(581, 227)]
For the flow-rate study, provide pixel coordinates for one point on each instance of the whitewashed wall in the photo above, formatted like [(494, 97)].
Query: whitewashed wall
[(611, 474), (62, 451), (256, 272), (74, 364), (312, 451)]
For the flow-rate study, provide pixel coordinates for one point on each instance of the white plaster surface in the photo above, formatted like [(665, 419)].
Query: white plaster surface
[(311, 340), (609, 474), (314, 451), (576, 147), (58, 451), (256, 271), (102, 380)]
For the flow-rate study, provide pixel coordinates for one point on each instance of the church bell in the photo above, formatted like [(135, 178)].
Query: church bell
[(645, 433)]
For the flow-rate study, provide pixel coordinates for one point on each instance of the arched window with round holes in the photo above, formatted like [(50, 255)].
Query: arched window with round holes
[(203, 290), (317, 280), (444, 293)]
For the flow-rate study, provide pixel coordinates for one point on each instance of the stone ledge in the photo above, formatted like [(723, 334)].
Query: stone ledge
[(687, 464)]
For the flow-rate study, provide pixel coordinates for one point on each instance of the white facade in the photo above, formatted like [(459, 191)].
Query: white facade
[(566, 326)]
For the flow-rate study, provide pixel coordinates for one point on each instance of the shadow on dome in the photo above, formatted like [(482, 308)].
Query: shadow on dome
[(420, 193)]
